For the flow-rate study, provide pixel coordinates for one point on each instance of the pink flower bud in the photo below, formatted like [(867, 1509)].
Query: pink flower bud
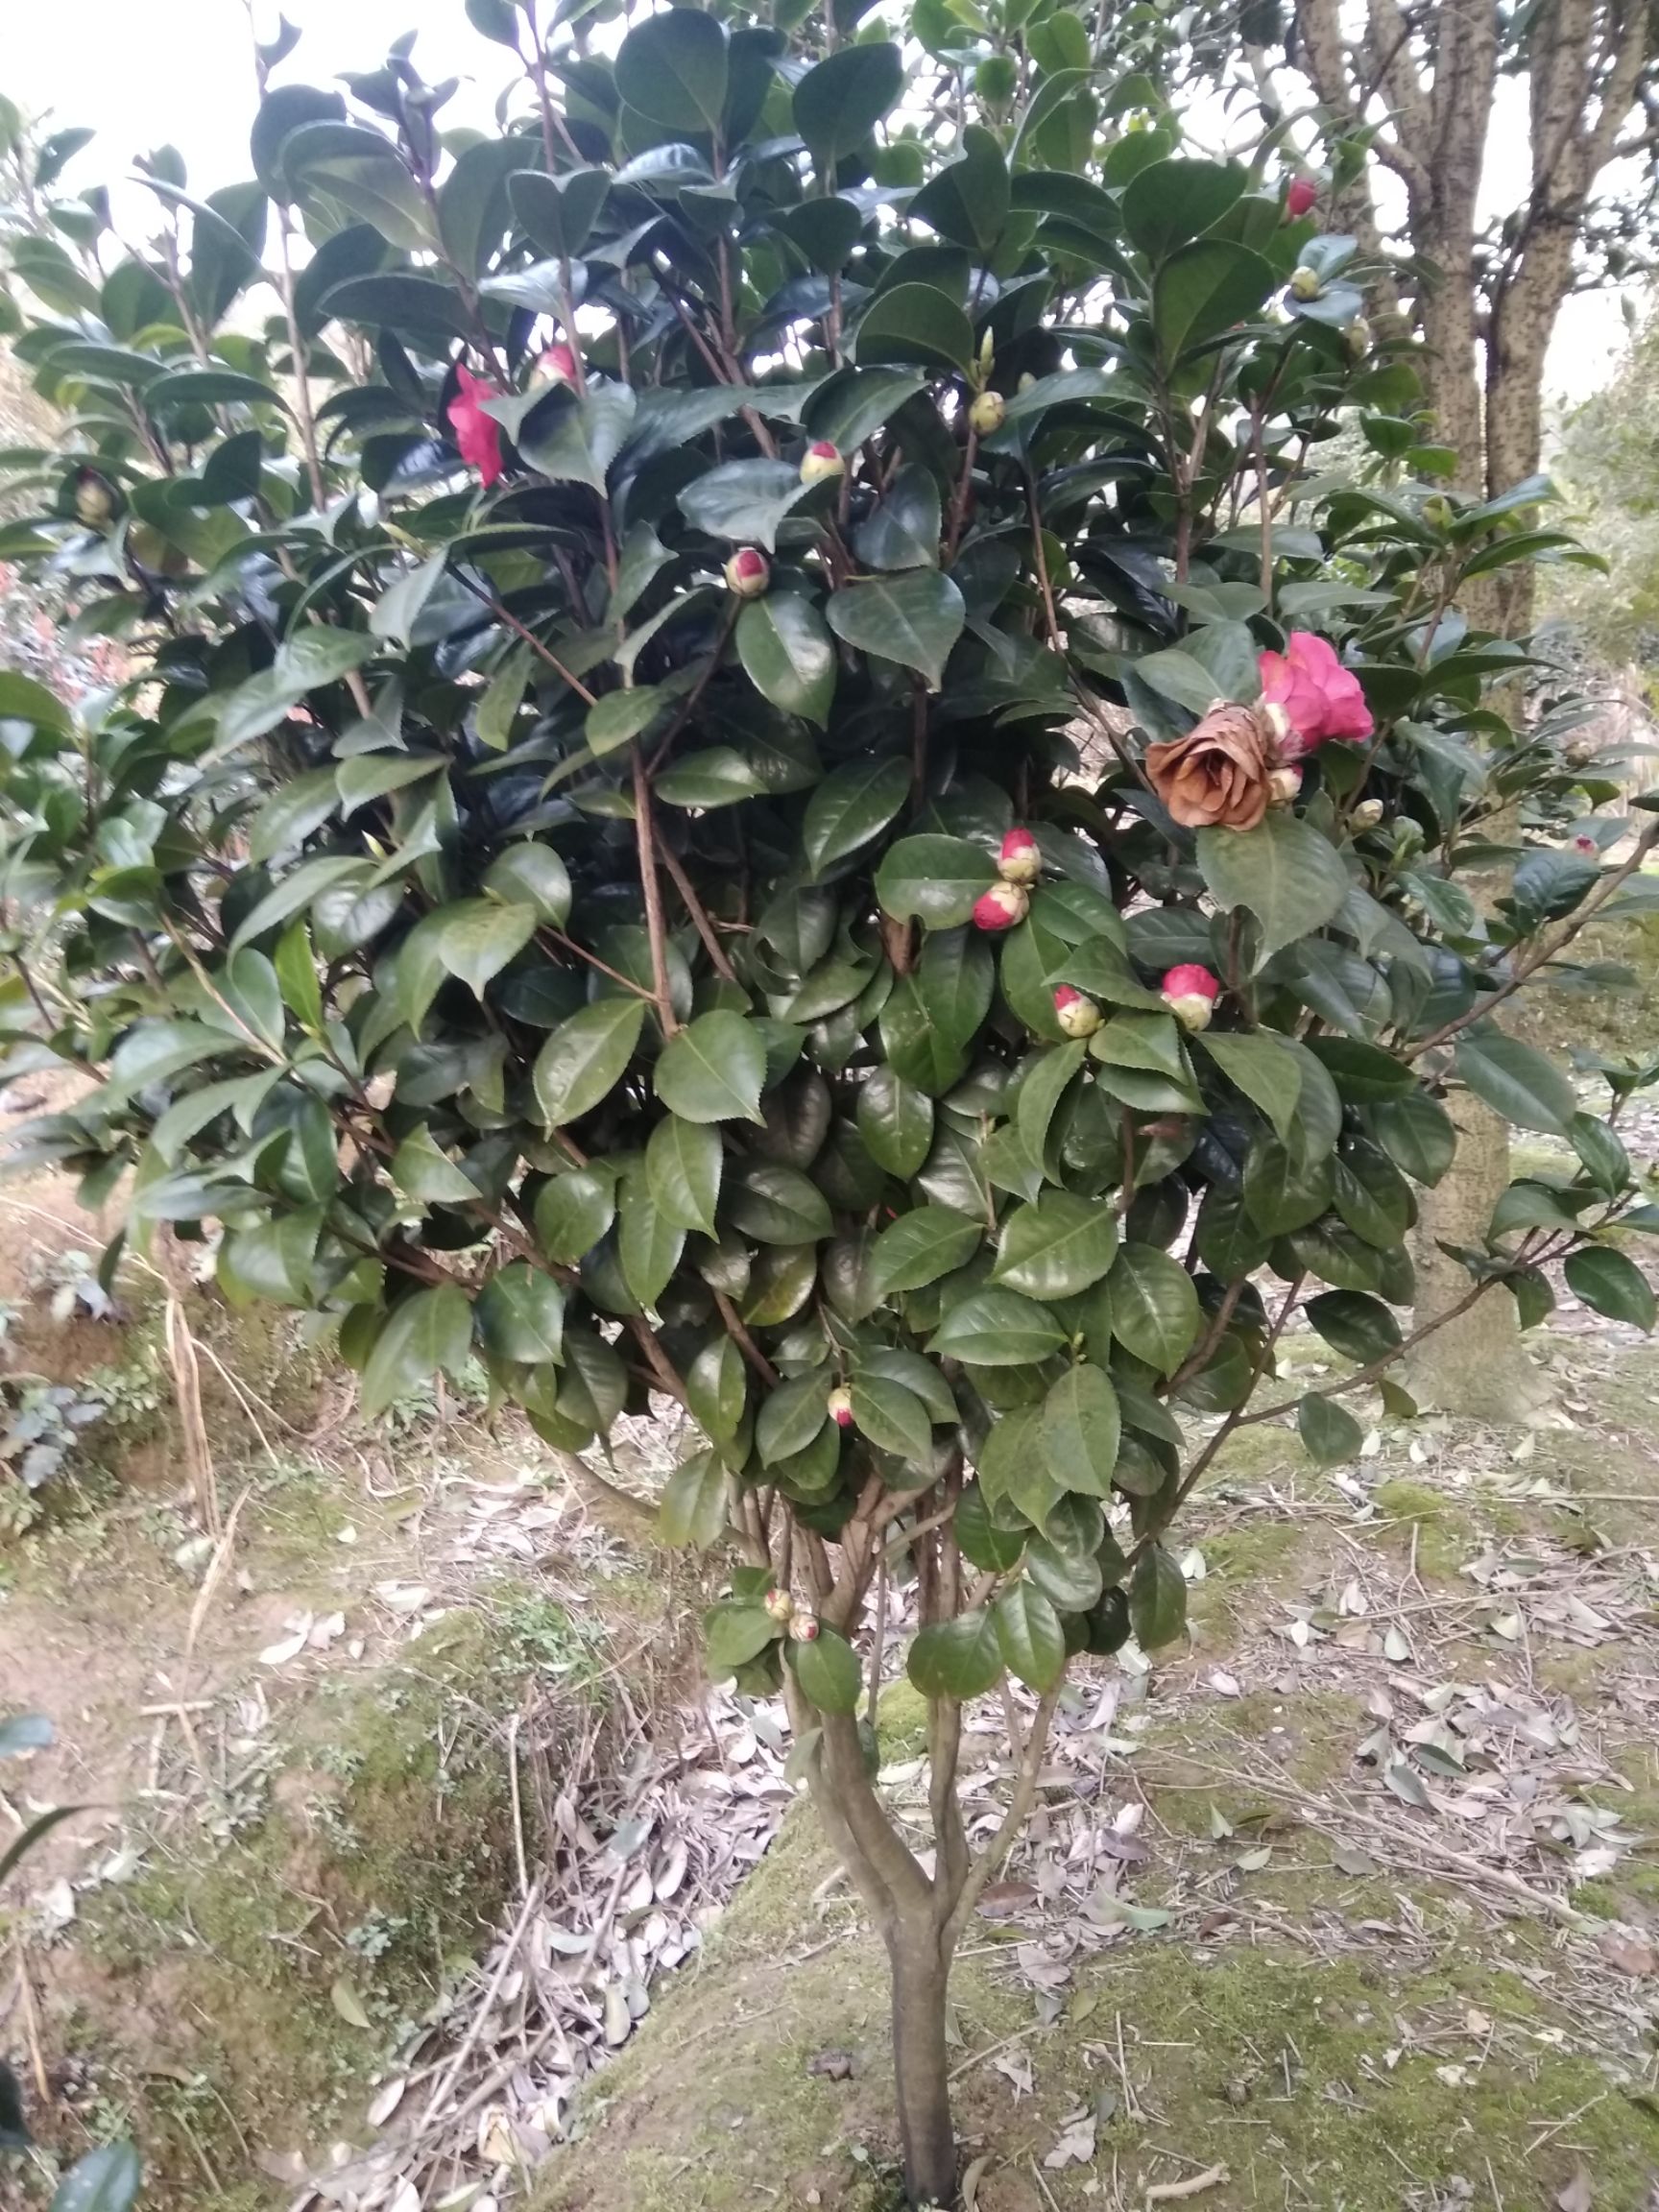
[(1076, 1014), (1587, 846), (803, 1628), (1299, 200), (748, 573), (555, 366), (839, 1403), (780, 1607), (1189, 992), (1020, 861), (820, 460), (1000, 907)]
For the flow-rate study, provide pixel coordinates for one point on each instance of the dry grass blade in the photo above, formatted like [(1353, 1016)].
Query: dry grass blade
[(187, 1392)]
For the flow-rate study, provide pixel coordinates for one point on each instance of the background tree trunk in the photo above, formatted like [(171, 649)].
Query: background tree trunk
[(1485, 307)]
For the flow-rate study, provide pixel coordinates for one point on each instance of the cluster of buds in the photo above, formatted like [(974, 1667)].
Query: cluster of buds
[(1191, 992), (748, 572), (1018, 864), (821, 460), (796, 1622)]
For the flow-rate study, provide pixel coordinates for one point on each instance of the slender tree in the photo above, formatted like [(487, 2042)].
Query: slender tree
[(739, 791)]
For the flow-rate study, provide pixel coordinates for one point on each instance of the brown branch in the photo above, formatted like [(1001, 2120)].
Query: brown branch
[(1547, 946), (696, 909), (745, 1343), (985, 1867), (650, 883)]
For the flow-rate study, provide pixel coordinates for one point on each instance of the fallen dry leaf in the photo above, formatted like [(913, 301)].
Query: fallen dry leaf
[(1577, 2196), (1630, 1953)]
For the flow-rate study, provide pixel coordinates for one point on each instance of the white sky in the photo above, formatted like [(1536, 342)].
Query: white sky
[(146, 73)]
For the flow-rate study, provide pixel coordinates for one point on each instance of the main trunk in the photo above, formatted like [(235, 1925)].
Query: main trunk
[(922, 2069)]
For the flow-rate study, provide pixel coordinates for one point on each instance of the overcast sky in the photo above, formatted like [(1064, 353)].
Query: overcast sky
[(146, 73)]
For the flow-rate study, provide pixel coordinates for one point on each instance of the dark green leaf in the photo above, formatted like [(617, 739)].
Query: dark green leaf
[(829, 1672), (429, 1332), (957, 1659), (586, 1058), (1154, 1306), (1329, 1432), (1081, 1430), (913, 619), (693, 1508), (1057, 1247), (1516, 1081), (933, 880), (1610, 1284), (895, 1121), (713, 1069), (840, 99), (1029, 1636), (1157, 1598), (1288, 875), (997, 1329), (789, 653), (920, 1247), (851, 805)]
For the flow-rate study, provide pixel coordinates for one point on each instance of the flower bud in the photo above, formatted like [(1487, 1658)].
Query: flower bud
[(1586, 847), (1000, 907), (839, 1406), (94, 500), (1367, 814), (1283, 785), (557, 364), (1436, 512), (1189, 992), (1357, 337), (1020, 861), (1299, 200), (1076, 1014), (748, 573), (987, 413), (780, 1607), (820, 460), (1305, 283), (803, 1628)]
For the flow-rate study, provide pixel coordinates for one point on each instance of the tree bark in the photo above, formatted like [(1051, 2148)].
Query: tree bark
[(1474, 1364), (921, 1971)]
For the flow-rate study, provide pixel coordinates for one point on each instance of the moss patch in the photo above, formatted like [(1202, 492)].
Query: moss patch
[(367, 1880)]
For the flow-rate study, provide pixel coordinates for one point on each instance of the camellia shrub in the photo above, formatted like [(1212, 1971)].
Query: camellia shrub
[(759, 772)]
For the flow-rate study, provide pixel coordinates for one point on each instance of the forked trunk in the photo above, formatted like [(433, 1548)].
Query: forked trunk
[(922, 2068)]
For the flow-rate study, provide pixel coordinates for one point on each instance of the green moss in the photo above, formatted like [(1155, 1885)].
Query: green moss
[(372, 1872), (901, 1721), (1443, 1533)]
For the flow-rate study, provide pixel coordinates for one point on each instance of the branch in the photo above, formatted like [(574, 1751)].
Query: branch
[(991, 1859), (1547, 948), (655, 928)]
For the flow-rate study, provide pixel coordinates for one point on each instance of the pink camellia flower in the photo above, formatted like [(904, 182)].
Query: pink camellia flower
[(557, 364), (1000, 907), (1075, 1012), (1189, 992), (1299, 200), (477, 435), (1020, 861), (1310, 696)]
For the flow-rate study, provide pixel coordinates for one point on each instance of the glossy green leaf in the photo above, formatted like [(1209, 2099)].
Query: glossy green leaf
[(788, 654), (1057, 1247), (1610, 1283), (693, 1513), (958, 1659), (1157, 1598), (851, 805), (920, 1247), (712, 1070), (586, 1058), (838, 103), (1081, 1430), (913, 619), (1516, 1081), (1329, 1432), (996, 1327), (933, 880), (521, 1315), (430, 1332), (1029, 1636), (1283, 872), (573, 1211), (895, 1121), (1359, 1325), (1154, 1306), (683, 1161), (829, 1672)]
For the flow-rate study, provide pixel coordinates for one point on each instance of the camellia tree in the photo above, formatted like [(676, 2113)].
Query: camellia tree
[(756, 774)]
